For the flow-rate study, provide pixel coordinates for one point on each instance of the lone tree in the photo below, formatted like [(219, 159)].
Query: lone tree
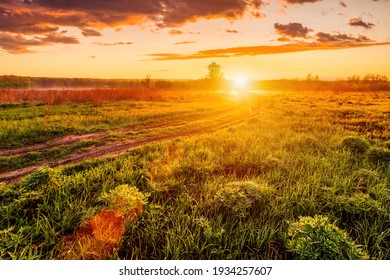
[(215, 73), (147, 81), (214, 76)]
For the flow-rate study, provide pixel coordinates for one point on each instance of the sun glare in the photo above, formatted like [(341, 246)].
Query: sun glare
[(240, 82)]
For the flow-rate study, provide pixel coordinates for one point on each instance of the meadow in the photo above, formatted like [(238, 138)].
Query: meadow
[(278, 175)]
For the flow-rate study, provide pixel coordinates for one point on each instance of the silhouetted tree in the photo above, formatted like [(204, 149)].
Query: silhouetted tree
[(147, 81), (215, 73), (214, 77)]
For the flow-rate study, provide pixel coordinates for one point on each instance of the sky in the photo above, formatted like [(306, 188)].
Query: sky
[(178, 39)]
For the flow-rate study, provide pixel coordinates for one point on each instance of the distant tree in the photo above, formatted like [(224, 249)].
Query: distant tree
[(215, 73), (354, 78), (312, 78), (147, 81), (375, 78), (214, 77)]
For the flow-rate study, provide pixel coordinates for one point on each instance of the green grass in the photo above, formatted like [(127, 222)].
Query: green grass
[(8, 163), (38, 123), (232, 194)]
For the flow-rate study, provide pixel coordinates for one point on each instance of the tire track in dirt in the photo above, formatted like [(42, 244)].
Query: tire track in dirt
[(120, 147), (75, 138)]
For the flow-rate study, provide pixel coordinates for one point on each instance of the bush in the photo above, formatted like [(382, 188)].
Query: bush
[(356, 145), (239, 197), (316, 238)]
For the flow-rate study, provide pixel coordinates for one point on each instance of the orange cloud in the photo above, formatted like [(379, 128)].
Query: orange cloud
[(264, 50), (184, 42), (175, 32), (115, 44), (89, 32)]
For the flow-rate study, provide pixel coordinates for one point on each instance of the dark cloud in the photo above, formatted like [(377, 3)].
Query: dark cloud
[(293, 30), (32, 21), (231, 31), (360, 22), (166, 13), (19, 44), (57, 38), (344, 38), (43, 18), (343, 4), (177, 12), (89, 32), (300, 2)]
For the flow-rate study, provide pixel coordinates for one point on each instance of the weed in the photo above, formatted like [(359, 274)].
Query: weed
[(316, 238), (127, 200), (238, 198)]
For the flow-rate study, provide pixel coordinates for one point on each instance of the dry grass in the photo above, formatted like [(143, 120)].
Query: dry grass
[(95, 96)]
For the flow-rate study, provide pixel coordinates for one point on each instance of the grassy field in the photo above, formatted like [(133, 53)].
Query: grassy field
[(298, 176)]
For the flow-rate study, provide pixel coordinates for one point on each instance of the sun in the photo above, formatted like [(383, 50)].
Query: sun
[(240, 82)]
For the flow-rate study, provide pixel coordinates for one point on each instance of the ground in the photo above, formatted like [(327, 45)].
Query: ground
[(223, 177)]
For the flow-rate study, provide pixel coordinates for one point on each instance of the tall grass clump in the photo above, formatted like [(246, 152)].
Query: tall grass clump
[(356, 145), (316, 238), (358, 206), (127, 200), (37, 179), (240, 198)]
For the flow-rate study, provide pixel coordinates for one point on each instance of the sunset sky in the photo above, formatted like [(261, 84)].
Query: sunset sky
[(177, 39)]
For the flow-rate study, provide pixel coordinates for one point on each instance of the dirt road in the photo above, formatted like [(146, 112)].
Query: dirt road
[(180, 128)]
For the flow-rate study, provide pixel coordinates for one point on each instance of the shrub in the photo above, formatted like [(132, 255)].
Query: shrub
[(127, 200), (356, 145), (316, 238), (239, 197), (379, 156)]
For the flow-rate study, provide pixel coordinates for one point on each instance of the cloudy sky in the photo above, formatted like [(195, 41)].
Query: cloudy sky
[(253, 39)]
